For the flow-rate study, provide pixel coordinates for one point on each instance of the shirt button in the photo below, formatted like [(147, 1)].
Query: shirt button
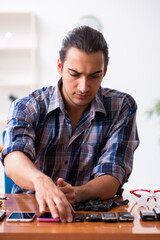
[(66, 162)]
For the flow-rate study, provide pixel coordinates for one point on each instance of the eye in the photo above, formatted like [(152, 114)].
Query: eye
[(74, 74), (96, 76)]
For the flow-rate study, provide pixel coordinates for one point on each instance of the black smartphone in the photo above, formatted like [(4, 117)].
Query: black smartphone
[(2, 214), (93, 217), (109, 217), (157, 212), (21, 217), (126, 216), (78, 217), (147, 215)]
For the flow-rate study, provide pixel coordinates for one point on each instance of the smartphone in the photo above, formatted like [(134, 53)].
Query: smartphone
[(78, 217), (126, 217), (21, 217), (47, 217), (157, 212), (147, 215), (93, 217), (109, 217), (2, 214)]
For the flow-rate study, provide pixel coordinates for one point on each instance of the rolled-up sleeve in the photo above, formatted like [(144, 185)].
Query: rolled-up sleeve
[(117, 153), (19, 133)]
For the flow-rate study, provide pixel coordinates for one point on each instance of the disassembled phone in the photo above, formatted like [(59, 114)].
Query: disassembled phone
[(157, 212), (109, 217), (78, 217), (21, 217), (2, 214), (147, 215), (47, 217), (93, 217), (126, 216)]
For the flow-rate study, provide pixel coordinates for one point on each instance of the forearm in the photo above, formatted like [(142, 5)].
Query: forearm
[(21, 170), (104, 187)]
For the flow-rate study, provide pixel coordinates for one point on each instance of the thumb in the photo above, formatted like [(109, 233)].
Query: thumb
[(61, 182)]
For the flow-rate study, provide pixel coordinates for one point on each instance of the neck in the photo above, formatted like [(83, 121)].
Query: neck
[(75, 110)]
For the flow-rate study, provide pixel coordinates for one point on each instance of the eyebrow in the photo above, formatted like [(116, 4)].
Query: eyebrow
[(80, 72)]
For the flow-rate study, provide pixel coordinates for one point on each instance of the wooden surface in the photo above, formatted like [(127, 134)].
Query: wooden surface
[(77, 231)]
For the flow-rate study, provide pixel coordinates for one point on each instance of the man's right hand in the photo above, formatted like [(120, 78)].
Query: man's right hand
[(48, 194)]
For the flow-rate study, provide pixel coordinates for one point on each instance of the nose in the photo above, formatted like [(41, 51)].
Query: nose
[(83, 85)]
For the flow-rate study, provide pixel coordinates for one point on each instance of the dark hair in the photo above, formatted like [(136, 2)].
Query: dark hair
[(87, 39)]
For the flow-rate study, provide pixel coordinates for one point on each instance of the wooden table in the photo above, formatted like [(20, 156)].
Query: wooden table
[(77, 231)]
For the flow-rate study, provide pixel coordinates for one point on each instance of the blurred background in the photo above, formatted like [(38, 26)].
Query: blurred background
[(31, 33)]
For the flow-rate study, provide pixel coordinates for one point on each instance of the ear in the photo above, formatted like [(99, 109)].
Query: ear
[(106, 69), (59, 66)]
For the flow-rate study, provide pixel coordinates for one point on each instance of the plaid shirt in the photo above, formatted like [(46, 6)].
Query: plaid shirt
[(103, 141)]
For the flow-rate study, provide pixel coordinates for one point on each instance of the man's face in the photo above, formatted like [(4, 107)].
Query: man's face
[(82, 75)]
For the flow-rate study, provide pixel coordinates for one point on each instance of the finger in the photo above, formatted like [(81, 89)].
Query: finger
[(64, 209), (61, 209), (42, 205), (61, 182), (67, 189), (53, 209), (69, 213), (64, 186)]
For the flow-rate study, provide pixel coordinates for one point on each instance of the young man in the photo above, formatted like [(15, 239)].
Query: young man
[(75, 141)]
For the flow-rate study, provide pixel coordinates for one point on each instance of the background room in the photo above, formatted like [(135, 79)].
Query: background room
[(132, 30)]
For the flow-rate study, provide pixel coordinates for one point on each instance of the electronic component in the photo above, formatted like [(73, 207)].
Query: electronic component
[(93, 217), (78, 217), (157, 212), (126, 217), (2, 214), (147, 215), (109, 217)]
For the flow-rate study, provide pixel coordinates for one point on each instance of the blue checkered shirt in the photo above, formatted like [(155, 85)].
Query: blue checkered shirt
[(103, 141)]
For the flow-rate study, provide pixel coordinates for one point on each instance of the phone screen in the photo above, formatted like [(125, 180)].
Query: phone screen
[(47, 217), (21, 217)]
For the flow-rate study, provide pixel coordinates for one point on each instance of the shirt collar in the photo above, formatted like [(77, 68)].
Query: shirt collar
[(57, 101), (97, 104)]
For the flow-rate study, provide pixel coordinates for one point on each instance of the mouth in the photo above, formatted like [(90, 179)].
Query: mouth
[(82, 96)]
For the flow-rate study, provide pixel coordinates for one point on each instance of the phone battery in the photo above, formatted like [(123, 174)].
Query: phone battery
[(147, 215), (157, 212), (93, 217), (78, 217), (109, 217), (126, 217)]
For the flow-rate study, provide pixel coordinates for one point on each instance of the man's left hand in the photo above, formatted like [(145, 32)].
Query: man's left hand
[(67, 189)]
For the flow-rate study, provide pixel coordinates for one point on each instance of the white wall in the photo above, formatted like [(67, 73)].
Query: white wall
[(132, 30)]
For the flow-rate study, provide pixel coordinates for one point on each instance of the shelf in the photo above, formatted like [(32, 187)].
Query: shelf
[(17, 29), (18, 58)]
